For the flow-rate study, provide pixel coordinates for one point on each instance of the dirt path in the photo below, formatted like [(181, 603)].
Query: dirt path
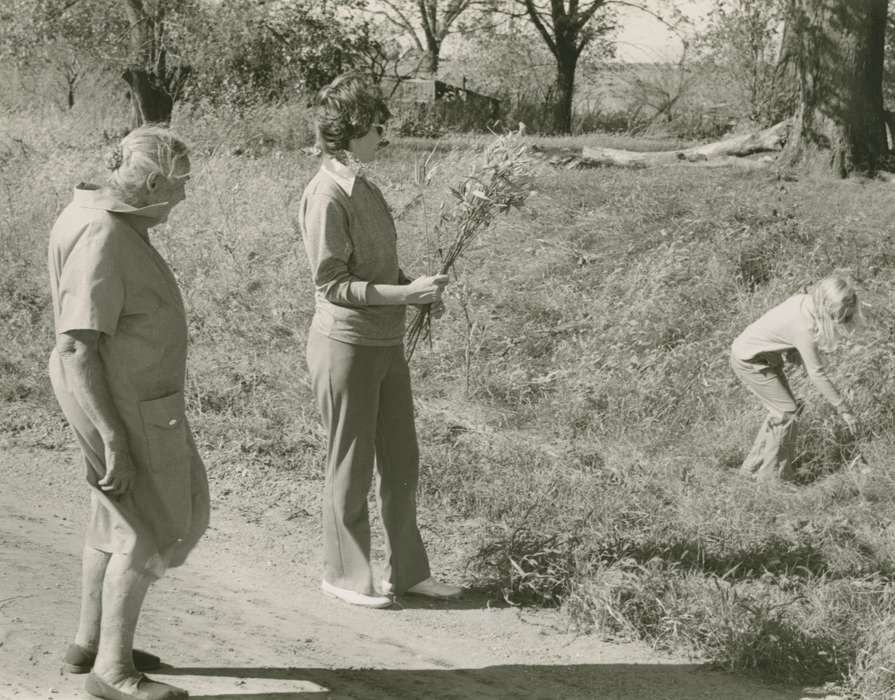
[(244, 621)]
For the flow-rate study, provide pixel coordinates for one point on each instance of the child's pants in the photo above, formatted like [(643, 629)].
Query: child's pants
[(773, 451), (364, 398)]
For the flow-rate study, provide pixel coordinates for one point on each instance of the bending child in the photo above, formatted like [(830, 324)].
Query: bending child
[(805, 323)]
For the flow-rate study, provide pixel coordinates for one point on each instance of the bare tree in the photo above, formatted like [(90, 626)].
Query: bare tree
[(657, 89), (567, 27), (70, 39), (426, 22)]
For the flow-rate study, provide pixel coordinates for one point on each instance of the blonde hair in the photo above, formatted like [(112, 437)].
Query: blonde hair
[(151, 148), (836, 309)]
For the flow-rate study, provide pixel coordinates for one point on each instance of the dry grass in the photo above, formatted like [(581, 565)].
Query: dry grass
[(575, 407)]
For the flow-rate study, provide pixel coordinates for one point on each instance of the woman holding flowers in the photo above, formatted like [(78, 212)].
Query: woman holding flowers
[(355, 355), (803, 323)]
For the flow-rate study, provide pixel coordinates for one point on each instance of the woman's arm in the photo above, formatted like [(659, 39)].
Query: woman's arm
[(324, 227), (79, 351), (328, 245), (423, 290)]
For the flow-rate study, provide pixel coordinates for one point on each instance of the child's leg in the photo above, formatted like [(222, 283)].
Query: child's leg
[(755, 458), (772, 452), (779, 449)]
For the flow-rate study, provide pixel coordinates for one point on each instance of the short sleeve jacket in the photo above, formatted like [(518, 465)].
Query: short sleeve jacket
[(105, 276)]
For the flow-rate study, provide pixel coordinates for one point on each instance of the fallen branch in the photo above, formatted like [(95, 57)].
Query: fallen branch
[(729, 151)]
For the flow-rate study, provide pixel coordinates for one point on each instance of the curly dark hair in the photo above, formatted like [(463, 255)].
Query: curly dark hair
[(346, 109)]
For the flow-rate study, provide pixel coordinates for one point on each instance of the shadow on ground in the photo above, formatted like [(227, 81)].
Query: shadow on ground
[(561, 682), (471, 600)]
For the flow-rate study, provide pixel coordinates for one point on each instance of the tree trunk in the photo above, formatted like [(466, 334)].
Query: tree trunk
[(433, 61), (433, 50), (150, 101), (153, 85), (838, 126), (566, 63)]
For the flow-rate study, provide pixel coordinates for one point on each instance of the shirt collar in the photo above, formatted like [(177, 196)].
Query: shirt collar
[(92, 196), (343, 175)]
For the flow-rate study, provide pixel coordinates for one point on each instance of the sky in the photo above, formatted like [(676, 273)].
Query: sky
[(643, 38)]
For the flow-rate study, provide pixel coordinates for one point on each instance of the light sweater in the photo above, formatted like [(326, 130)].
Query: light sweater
[(790, 325), (350, 239)]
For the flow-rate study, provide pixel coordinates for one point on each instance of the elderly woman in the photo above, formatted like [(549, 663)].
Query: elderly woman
[(118, 372), (356, 357)]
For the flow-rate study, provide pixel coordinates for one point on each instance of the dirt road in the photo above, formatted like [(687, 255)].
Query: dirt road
[(245, 619)]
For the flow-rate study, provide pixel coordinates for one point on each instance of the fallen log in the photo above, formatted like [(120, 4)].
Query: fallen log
[(725, 152)]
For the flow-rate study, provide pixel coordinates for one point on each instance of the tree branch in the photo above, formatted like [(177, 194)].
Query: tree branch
[(402, 22), (536, 19)]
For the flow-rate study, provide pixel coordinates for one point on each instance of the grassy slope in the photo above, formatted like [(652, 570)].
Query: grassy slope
[(578, 419)]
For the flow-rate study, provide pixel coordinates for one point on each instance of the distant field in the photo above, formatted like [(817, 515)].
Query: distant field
[(579, 424)]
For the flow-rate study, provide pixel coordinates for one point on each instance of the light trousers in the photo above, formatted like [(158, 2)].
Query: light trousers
[(773, 450), (364, 397)]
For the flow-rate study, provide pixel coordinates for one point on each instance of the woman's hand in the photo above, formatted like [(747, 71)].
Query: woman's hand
[(850, 421), (120, 472), (426, 290), (86, 374)]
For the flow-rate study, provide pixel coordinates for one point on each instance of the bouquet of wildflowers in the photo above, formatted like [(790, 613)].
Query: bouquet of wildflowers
[(496, 183)]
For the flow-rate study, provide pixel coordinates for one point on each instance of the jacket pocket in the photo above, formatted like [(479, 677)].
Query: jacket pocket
[(164, 425)]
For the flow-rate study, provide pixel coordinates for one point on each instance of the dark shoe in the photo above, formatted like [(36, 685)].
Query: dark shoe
[(147, 689), (80, 660)]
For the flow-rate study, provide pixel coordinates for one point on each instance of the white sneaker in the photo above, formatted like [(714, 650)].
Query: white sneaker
[(430, 588), (355, 598)]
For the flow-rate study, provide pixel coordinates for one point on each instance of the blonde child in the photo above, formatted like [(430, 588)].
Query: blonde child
[(806, 323)]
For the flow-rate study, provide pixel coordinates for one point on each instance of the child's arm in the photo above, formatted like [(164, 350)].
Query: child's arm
[(814, 366), (807, 348)]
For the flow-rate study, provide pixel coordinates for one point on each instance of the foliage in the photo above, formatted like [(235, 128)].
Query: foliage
[(889, 65), (657, 93), (743, 41), (513, 66), (527, 567), (245, 51), (872, 676), (69, 41)]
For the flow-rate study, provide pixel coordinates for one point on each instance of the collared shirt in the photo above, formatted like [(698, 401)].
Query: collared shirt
[(343, 175), (350, 239), (790, 325)]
